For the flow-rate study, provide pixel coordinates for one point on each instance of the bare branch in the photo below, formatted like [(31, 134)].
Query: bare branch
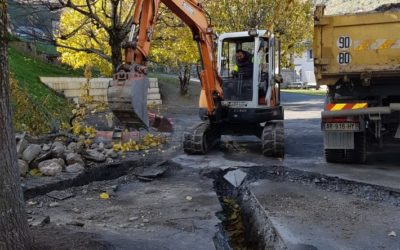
[(87, 50)]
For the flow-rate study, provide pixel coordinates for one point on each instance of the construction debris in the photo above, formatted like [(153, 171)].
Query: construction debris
[(236, 177)]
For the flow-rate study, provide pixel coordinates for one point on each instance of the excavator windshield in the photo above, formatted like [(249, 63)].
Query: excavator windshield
[(237, 68)]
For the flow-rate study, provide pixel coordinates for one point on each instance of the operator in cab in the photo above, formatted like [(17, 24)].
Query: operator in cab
[(244, 64)]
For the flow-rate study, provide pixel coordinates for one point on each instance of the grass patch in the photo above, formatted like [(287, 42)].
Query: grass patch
[(47, 49), (53, 108), (172, 79), (305, 92)]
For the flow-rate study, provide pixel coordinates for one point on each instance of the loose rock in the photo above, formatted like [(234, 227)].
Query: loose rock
[(51, 167), (74, 168), (76, 223), (45, 147), (101, 147), (22, 144), (95, 156), (76, 210), (74, 158), (31, 152), (58, 149), (73, 146), (23, 167), (110, 153), (42, 157), (133, 218), (54, 204), (40, 221)]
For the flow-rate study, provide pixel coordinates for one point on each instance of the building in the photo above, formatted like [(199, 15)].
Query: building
[(301, 75)]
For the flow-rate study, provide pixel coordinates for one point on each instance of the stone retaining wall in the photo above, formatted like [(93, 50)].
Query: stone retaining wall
[(71, 88)]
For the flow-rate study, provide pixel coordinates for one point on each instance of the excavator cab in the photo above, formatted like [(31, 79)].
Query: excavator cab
[(249, 67)]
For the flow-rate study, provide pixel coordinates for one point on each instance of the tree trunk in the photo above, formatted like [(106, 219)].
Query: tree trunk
[(184, 78), (116, 54), (14, 230)]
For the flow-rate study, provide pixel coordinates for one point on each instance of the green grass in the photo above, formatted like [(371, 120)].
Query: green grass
[(166, 79), (305, 92), (47, 49), (26, 71)]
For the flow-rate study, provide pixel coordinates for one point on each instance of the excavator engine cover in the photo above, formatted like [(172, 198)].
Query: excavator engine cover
[(127, 98)]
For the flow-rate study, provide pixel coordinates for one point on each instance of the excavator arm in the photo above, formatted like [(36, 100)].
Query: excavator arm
[(137, 51)]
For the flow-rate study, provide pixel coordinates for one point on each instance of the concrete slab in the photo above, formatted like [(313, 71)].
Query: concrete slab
[(315, 219), (236, 177)]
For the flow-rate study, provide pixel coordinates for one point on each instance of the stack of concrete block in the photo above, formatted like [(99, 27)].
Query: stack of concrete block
[(154, 96), (71, 88)]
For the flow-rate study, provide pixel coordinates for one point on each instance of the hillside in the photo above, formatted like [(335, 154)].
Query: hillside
[(351, 6), (35, 102)]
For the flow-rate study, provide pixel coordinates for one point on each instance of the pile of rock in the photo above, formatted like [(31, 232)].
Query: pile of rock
[(58, 156)]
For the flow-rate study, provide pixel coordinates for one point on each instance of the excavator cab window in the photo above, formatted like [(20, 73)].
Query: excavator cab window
[(237, 67)]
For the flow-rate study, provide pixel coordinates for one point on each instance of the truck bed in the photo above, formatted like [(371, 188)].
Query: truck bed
[(362, 45)]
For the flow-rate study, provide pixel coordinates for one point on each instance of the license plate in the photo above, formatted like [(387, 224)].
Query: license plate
[(346, 126)]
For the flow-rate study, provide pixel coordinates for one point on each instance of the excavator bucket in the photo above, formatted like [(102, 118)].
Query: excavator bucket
[(127, 98)]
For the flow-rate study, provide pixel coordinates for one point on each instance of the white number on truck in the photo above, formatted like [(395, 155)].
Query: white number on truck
[(344, 58), (344, 42)]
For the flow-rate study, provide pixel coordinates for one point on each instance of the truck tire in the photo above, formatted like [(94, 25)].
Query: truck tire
[(357, 155), (334, 155), (273, 139)]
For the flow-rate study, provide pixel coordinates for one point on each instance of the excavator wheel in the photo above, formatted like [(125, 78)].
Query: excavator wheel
[(273, 139), (201, 139)]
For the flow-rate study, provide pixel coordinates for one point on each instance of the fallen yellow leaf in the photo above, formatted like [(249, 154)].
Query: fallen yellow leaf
[(104, 196)]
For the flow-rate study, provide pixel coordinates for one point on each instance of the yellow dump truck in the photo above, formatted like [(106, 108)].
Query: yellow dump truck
[(358, 57)]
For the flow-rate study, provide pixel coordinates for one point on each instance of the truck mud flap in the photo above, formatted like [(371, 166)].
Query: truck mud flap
[(338, 140)]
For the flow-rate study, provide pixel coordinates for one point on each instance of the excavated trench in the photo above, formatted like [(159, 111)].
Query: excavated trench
[(245, 223)]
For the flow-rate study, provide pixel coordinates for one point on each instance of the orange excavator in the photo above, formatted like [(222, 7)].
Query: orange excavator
[(235, 99)]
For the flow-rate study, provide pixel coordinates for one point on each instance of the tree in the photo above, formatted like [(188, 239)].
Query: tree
[(14, 228), (92, 32), (291, 20), (173, 45), (85, 37)]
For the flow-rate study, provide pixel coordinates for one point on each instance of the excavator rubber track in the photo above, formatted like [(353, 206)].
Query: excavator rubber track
[(201, 139), (273, 139), (127, 99)]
